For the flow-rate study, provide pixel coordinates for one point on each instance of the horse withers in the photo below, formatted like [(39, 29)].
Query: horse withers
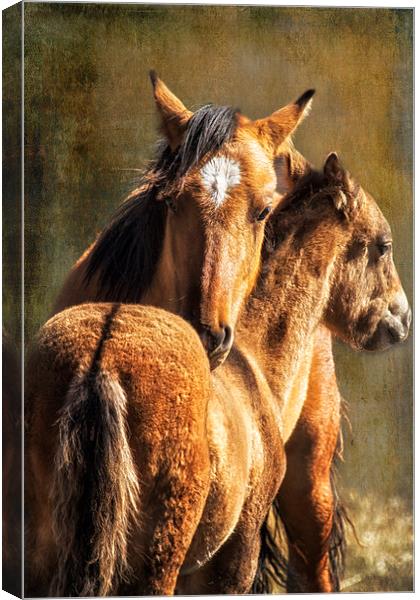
[(148, 474)]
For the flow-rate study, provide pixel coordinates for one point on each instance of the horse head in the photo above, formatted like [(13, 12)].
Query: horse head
[(227, 174), (368, 307)]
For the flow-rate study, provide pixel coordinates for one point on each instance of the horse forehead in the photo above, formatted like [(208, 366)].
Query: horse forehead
[(219, 175), (259, 166), (246, 164), (374, 216)]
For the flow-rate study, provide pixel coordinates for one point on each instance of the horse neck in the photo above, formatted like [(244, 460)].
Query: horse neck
[(280, 321), (163, 290)]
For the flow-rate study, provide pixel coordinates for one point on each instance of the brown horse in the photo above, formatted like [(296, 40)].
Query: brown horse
[(189, 238), (145, 473), (308, 503)]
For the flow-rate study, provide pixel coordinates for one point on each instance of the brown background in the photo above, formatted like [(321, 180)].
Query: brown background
[(90, 123)]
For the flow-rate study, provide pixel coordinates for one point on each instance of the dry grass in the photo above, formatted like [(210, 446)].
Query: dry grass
[(384, 562)]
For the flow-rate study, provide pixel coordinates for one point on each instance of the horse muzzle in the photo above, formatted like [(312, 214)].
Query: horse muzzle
[(393, 328)]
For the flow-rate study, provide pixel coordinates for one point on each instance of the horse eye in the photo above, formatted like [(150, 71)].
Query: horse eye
[(384, 248), (170, 204), (264, 213)]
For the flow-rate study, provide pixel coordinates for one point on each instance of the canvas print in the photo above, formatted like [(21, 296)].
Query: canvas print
[(217, 294)]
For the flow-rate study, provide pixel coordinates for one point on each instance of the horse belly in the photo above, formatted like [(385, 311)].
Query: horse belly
[(219, 518)]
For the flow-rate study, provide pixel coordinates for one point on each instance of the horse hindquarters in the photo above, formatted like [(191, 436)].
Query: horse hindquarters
[(96, 488)]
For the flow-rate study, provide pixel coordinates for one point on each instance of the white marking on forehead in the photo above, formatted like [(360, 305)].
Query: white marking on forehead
[(219, 175)]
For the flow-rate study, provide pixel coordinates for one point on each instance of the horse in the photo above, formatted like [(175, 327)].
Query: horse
[(189, 238), (147, 472), (308, 504)]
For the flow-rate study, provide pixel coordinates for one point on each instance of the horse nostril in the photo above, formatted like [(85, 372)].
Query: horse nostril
[(217, 340), (211, 338), (407, 319), (227, 339)]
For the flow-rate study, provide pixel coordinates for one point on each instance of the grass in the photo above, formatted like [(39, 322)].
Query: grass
[(381, 558), (384, 560)]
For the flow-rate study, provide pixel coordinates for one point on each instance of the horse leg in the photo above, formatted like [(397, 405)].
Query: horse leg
[(164, 538), (306, 500), (231, 570), (174, 476)]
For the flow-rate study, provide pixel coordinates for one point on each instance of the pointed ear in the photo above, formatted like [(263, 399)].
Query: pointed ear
[(289, 167), (338, 177), (173, 113), (273, 130)]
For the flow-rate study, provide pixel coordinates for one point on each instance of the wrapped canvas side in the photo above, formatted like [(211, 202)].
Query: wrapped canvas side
[(12, 300)]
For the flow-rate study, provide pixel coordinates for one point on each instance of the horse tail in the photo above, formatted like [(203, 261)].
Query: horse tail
[(94, 490)]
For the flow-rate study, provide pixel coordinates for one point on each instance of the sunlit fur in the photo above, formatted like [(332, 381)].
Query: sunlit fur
[(210, 451), (167, 245)]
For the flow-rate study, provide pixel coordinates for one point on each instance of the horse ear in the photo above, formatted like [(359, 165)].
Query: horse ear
[(346, 197), (289, 167), (172, 111), (273, 130)]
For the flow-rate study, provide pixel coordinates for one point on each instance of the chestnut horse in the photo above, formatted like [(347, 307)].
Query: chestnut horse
[(146, 473), (189, 238)]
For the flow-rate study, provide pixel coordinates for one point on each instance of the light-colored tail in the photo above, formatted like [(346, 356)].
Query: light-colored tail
[(95, 488)]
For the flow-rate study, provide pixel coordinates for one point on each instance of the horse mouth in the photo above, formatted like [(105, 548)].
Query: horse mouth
[(217, 358), (216, 342), (390, 331)]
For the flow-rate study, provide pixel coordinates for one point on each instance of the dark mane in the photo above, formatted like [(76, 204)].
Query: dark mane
[(126, 252)]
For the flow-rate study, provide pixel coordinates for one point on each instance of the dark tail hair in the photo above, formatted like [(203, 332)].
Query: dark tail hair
[(95, 488)]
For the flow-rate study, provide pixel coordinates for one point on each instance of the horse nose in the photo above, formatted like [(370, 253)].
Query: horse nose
[(216, 341), (400, 309), (406, 320)]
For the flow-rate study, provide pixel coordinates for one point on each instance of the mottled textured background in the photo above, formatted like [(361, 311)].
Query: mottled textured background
[(90, 124)]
